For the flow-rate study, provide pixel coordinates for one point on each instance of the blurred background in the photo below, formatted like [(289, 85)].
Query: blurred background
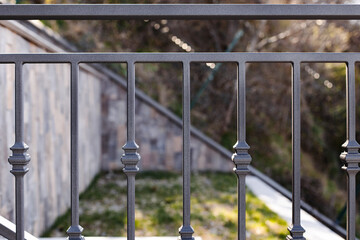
[(213, 91)]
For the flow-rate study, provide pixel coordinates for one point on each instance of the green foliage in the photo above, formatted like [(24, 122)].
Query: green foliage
[(159, 207), (228, 140), (157, 175)]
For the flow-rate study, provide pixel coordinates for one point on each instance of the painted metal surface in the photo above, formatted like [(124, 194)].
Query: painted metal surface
[(180, 11), (186, 231), (20, 158), (296, 230), (234, 57), (351, 156), (241, 157), (75, 230), (130, 159)]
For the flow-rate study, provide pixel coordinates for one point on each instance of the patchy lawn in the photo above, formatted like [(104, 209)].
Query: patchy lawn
[(159, 208)]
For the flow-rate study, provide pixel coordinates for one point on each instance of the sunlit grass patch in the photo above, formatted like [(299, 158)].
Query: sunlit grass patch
[(159, 208)]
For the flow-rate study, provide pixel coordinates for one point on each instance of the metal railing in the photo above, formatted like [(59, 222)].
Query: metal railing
[(130, 159)]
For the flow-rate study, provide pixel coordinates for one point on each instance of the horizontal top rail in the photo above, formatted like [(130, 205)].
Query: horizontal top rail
[(179, 11), (285, 57)]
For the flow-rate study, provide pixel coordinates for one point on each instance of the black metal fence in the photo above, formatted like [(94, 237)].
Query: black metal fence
[(130, 159)]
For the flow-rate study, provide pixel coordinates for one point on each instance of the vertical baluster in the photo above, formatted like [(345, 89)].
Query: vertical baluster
[(186, 231), (20, 158), (241, 157), (130, 157), (351, 156), (296, 230), (75, 230)]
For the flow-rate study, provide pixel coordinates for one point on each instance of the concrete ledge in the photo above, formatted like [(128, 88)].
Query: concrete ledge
[(7, 229), (314, 230), (123, 238)]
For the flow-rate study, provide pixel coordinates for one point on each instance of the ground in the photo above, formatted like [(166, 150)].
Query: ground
[(159, 208)]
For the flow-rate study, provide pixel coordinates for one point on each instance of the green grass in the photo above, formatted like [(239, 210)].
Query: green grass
[(159, 208)]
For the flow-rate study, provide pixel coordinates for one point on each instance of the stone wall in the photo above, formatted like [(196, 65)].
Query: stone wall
[(102, 127), (158, 134), (47, 132)]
